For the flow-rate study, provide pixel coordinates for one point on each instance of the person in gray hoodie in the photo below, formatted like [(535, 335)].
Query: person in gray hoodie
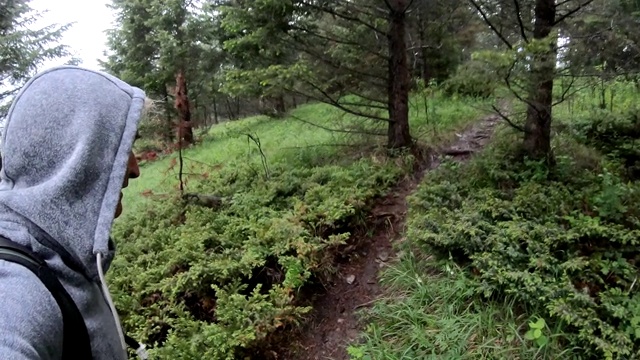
[(66, 155)]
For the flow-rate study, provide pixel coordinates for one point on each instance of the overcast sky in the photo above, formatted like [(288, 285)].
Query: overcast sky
[(86, 37)]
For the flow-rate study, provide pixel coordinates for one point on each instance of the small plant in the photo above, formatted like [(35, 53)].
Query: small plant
[(357, 353), (536, 332)]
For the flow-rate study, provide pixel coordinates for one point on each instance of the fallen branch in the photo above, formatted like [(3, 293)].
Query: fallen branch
[(458, 152), (210, 201)]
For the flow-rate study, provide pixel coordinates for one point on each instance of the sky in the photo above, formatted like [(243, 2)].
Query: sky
[(86, 38)]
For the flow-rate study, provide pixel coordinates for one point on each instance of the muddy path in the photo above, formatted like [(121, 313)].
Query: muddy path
[(333, 324)]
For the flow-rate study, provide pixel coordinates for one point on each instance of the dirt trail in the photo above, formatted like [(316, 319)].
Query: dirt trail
[(334, 323)]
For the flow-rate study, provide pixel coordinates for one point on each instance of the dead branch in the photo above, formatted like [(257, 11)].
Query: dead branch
[(210, 201), (571, 12), (336, 130), (516, 3), (490, 24), (508, 120), (344, 16)]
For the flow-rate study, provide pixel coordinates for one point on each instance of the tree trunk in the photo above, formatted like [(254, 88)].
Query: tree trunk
[(205, 116), (215, 109), (185, 129), (280, 105), (168, 131), (537, 137), (398, 135), (425, 71), (196, 107), (230, 113)]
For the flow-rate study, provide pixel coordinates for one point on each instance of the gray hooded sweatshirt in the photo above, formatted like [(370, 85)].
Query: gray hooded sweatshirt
[(65, 149)]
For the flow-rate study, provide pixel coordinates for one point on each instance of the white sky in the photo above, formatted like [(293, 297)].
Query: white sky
[(86, 38)]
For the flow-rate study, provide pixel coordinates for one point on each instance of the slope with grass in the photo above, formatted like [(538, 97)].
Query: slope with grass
[(506, 258), (211, 282)]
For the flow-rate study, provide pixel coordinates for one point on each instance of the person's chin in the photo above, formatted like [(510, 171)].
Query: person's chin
[(119, 207)]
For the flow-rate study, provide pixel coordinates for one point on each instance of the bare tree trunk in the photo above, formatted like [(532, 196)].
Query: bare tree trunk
[(230, 112), (215, 109), (185, 129), (206, 117), (425, 71), (168, 131), (398, 135), (280, 105), (537, 137), (196, 107)]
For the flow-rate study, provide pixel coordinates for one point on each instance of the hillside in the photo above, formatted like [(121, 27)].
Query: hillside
[(201, 282), (509, 258), (358, 180)]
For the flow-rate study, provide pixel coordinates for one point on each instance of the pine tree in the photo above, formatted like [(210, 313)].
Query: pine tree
[(24, 49)]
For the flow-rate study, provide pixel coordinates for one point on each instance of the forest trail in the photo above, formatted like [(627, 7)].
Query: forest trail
[(334, 323)]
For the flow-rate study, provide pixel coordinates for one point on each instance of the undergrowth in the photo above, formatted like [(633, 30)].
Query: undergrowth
[(525, 261), (210, 282), (561, 243), (431, 311)]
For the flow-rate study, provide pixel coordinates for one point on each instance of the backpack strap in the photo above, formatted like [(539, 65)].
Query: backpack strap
[(76, 343)]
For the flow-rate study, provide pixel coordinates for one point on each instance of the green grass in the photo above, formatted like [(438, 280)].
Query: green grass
[(430, 311), (586, 97), (196, 282), (294, 141)]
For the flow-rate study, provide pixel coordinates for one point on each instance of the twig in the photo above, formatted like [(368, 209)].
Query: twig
[(506, 118), (336, 130), (181, 166), (263, 157), (488, 22), (202, 163)]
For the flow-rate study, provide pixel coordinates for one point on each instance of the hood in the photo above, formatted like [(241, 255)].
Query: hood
[(65, 149)]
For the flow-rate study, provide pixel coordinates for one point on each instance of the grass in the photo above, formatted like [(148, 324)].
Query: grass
[(431, 311), (294, 141)]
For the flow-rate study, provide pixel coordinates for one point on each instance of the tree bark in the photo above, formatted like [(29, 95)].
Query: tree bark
[(185, 128), (168, 131), (537, 137), (230, 113), (215, 109), (280, 105), (425, 70), (398, 135)]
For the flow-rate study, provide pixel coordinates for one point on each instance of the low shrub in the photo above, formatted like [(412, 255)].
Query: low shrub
[(563, 239)]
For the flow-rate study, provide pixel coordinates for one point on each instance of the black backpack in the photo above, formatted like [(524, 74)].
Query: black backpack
[(76, 343)]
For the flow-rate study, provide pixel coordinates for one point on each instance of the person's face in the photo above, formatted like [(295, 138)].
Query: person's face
[(133, 171)]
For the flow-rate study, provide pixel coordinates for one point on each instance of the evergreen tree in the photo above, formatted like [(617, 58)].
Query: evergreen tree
[(23, 48)]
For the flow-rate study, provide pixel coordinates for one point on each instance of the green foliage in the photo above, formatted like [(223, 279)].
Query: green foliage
[(442, 29), (606, 118), (562, 239), (199, 282), (24, 48), (430, 310), (252, 36), (154, 40), (536, 332), (473, 78), (247, 259)]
